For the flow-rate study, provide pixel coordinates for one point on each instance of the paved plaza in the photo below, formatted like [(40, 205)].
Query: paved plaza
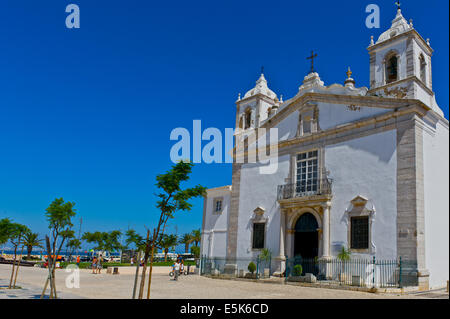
[(103, 286)]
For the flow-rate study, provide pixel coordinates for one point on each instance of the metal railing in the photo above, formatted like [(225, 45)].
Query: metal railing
[(236, 267), (370, 273), (305, 188)]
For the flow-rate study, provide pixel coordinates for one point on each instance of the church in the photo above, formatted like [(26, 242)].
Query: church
[(362, 168)]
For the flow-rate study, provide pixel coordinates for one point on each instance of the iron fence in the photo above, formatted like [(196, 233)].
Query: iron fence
[(370, 273), (236, 267)]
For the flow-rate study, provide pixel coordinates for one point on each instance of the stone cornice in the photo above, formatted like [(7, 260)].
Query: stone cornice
[(368, 101), (411, 33), (318, 136), (256, 96), (409, 78)]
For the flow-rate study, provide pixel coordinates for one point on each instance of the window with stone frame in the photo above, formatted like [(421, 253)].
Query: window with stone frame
[(359, 232), (259, 233), (392, 69), (423, 66), (307, 172), (218, 205)]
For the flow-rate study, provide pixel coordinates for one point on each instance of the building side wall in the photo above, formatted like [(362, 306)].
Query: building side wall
[(436, 189), (260, 190), (367, 167)]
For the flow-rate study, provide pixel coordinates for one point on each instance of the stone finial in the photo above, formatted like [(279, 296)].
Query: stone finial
[(428, 41), (281, 98), (239, 97), (371, 40), (349, 73), (349, 82), (411, 23)]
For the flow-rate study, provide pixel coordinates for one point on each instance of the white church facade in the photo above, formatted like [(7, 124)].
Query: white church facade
[(362, 168)]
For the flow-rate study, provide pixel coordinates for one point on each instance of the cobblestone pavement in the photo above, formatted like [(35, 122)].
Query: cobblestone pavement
[(27, 291), (187, 287)]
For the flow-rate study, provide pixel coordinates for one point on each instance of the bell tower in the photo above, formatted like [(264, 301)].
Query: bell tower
[(400, 64)]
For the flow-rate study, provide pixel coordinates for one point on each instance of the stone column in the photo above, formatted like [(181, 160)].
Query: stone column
[(281, 259), (326, 230)]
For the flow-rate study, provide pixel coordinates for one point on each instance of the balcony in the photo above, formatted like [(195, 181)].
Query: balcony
[(315, 187)]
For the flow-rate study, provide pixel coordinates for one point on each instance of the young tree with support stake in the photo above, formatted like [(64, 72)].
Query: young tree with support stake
[(172, 198), (16, 235), (59, 216)]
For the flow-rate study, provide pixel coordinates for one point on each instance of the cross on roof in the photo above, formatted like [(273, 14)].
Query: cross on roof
[(313, 55), (398, 4)]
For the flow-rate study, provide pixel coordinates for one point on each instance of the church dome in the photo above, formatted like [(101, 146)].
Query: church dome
[(261, 88), (399, 26)]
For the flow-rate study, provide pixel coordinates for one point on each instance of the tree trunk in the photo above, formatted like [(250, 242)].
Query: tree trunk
[(186, 248), (144, 267), (13, 267), (29, 249), (166, 250), (150, 272), (17, 269), (136, 275)]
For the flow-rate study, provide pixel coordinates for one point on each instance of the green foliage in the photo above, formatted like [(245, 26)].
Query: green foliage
[(195, 250), (17, 233), (172, 198), (186, 240), (59, 216), (5, 230), (106, 241), (298, 270), (167, 242), (196, 236), (251, 267), (265, 254), (74, 244), (30, 240), (344, 254), (133, 238)]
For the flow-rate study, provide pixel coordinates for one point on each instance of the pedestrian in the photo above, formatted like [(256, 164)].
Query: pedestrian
[(132, 261), (94, 264), (99, 264), (78, 261), (176, 270), (182, 267)]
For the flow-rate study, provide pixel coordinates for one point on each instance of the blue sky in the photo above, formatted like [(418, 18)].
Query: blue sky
[(86, 114)]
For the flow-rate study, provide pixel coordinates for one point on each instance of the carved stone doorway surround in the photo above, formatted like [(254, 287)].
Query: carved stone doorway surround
[(290, 210)]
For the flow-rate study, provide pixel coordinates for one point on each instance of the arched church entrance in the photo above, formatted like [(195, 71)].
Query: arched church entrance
[(306, 239)]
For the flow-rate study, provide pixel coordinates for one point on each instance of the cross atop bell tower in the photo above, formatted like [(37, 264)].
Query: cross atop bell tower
[(313, 55)]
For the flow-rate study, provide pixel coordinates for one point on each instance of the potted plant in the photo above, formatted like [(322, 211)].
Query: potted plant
[(344, 256), (252, 268)]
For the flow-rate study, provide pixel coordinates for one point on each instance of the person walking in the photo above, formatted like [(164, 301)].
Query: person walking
[(182, 267), (176, 270), (78, 261), (99, 264), (94, 265)]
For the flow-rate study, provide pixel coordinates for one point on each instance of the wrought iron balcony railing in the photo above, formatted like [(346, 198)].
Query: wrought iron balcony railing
[(305, 188)]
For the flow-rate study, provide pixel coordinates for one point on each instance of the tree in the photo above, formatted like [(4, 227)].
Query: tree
[(16, 233), (30, 241), (195, 250), (59, 216), (5, 230), (196, 236), (72, 245), (106, 241), (167, 242), (172, 198), (186, 240)]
